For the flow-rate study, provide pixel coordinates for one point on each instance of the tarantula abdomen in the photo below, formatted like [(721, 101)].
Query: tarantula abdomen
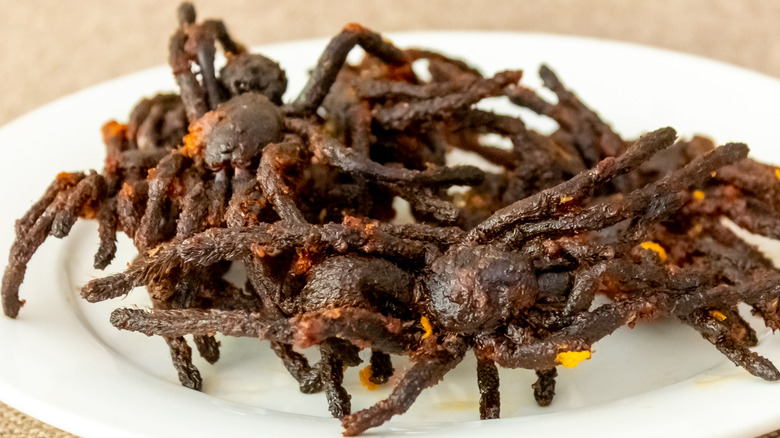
[(473, 289), (236, 131), (248, 72)]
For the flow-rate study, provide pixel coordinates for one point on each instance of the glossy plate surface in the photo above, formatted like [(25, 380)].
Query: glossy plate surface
[(63, 363)]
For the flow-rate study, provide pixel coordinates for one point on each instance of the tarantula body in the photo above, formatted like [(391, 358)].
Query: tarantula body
[(301, 194), (476, 289)]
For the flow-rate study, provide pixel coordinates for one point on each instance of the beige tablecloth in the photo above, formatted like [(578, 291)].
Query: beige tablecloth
[(49, 49)]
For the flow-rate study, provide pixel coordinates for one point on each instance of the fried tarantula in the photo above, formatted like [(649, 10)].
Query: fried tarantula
[(301, 195)]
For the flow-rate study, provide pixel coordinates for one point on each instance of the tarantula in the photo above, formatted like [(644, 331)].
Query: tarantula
[(301, 195), (482, 289), (163, 180)]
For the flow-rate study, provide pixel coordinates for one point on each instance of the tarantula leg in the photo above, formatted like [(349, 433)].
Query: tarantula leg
[(277, 159), (332, 375), (718, 335), (159, 122), (443, 68), (360, 128), (151, 228), (107, 225), (383, 89), (130, 205), (768, 311), (425, 203), (134, 165), (332, 151), (181, 355), (428, 369), (187, 293), (224, 295), (64, 181), (269, 291), (192, 93), (527, 98), (205, 52), (580, 335), (309, 378), (334, 57), (244, 189), (489, 396), (369, 238), (401, 116), (180, 322), (22, 251), (555, 199), (91, 189), (592, 133), (764, 287), (172, 293), (658, 199), (194, 208), (208, 348), (220, 32), (593, 138), (217, 193), (444, 236), (140, 118), (734, 326), (203, 249), (361, 327), (214, 245), (196, 42), (185, 14), (586, 282), (381, 367), (544, 387)]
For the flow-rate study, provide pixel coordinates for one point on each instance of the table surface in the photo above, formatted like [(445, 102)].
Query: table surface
[(51, 49)]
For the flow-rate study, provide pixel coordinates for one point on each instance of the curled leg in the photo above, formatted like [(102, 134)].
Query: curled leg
[(62, 182), (107, 225), (309, 378), (22, 251), (428, 369), (82, 200), (333, 58)]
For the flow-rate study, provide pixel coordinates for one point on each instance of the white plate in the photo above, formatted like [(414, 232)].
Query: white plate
[(63, 363)]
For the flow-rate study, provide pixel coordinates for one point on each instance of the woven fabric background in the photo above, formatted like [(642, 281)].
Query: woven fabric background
[(49, 48)]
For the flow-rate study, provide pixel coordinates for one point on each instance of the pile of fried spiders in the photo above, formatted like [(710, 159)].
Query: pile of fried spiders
[(302, 195)]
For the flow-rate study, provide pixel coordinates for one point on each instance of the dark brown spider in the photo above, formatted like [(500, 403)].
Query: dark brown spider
[(301, 195)]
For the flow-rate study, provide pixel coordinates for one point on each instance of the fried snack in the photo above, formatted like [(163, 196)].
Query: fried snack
[(301, 194)]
